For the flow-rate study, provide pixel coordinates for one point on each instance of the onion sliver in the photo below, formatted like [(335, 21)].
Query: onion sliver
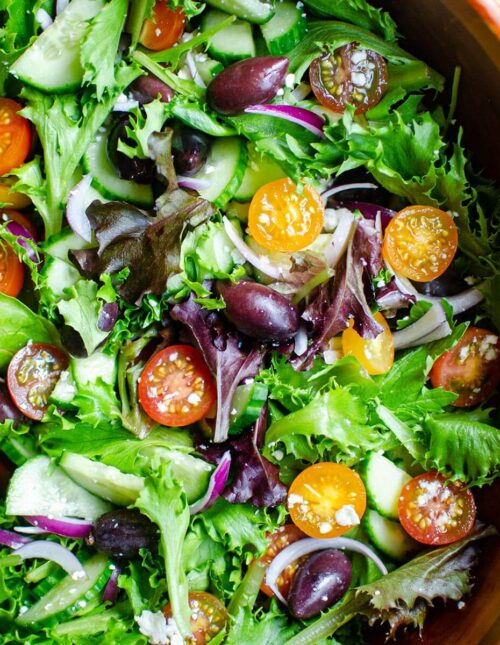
[(192, 183), (76, 207), (13, 540), (440, 332), (306, 118), (193, 70), (340, 239), (23, 235), (61, 5), (216, 485), (30, 530), (459, 303), (63, 526), (110, 592), (56, 553), (421, 328), (43, 18), (340, 189), (300, 341), (310, 545)]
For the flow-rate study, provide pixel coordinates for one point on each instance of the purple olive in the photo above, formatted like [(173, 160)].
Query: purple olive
[(8, 409), (146, 88), (319, 582), (247, 82), (259, 311), (141, 171), (190, 151)]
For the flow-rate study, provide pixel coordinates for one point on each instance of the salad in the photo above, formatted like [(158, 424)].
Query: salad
[(248, 317)]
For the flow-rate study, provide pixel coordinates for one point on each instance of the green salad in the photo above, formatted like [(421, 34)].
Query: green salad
[(249, 326)]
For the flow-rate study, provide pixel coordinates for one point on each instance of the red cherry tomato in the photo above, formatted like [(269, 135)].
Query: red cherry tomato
[(176, 387), (435, 512), (280, 539), (164, 28), (32, 375), (471, 369), (15, 136), (208, 617), (349, 75)]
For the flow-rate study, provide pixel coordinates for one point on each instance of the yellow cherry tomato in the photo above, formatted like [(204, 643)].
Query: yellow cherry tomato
[(376, 355)]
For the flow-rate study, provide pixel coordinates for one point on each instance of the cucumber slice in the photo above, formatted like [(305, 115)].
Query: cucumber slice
[(52, 63), (207, 67), (105, 481), (97, 365), (224, 170), (232, 43), (59, 275), (388, 536), (19, 451), (69, 596), (286, 28), (40, 488), (257, 11), (247, 404), (60, 243), (383, 482), (48, 583), (260, 171), (64, 392), (105, 177)]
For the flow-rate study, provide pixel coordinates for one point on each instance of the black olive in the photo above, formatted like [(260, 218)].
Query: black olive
[(190, 150), (142, 171), (123, 532)]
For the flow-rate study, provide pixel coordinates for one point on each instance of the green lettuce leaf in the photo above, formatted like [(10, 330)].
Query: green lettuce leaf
[(144, 121), (262, 627)]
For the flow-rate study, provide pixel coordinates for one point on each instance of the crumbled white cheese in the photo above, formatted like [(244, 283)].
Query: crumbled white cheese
[(325, 527), (295, 499), (347, 516), (158, 629)]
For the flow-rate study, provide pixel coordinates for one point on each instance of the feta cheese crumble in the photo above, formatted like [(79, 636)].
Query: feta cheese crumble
[(157, 629)]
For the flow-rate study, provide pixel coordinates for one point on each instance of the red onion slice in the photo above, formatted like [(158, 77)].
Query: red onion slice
[(340, 189), (76, 207), (216, 485), (13, 540), (372, 211), (306, 118), (310, 545), (30, 530), (63, 526), (56, 553), (22, 235), (192, 183), (110, 593)]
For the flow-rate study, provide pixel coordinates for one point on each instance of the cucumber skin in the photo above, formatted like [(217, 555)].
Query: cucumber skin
[(60, 243), (235, 182), (223, 53), (286, 41), (255, 179), (408, 546), (240, 9), (371, 496)]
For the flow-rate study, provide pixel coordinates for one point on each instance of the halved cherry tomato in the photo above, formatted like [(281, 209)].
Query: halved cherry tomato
[(420, 242), (349, 75), (208, 617), (471, 369), (280, 539), (435, 512), (12, 199), (11, 271), (164, 28), (282, 219), (8, 214), (326, 500), (15, 136), (32, 375), (376, 355), (176, 387)]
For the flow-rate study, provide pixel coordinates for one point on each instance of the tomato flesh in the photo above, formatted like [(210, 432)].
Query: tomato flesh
[(15, 136), (435, 512), (349, 75), (176, 387), (376, 355), (32, 375), (280, 539), (471, 369), (420, 242), (326, 500), (208, 617), (164, 28), (11, 271), (282, 219)]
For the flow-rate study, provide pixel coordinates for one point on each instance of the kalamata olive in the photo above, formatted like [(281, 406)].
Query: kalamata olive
[(123, 532), (319, 582), (190, 150), (141, 171), (146, 88), (73, 342), (247, 82), (448, 284), (259, 311), (107, 316), (8, 410)]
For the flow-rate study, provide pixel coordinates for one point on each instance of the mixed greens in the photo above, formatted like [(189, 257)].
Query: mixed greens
[(248, 316)]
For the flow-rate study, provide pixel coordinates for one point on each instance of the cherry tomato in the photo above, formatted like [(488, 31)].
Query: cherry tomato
[(11, 271), (326, 500), (12, 199), (420, 242), (164, 28), (282, 219), (435, 512), (376, 355), (8, 214), (15, 136), (349, 75), (280, 539), (32, 375), (176, 387), (208, 618), (471, 369)]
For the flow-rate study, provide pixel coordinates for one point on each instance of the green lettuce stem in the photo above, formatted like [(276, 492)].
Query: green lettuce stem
[(413, 76), (246, 594)]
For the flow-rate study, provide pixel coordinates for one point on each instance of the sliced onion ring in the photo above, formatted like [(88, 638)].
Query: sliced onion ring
[(340, 239), (56, 553), (63, 526), (192, 183), (30, 530), (76, 207), (340, 189), (13, 540), (310, 545), (459, 303), (430, 321), (306, 118), (216, 485)]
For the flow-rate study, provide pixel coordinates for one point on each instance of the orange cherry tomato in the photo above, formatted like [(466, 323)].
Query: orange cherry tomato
[(280, 539), (376, 355), (435, 512), (208, 617), (15, 136), (12, 199), (326, 500), (32, 375), (420, 242), (11, 271), (282, 219), (164, 28), (176, 387), (8, 214), (471, 369)]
